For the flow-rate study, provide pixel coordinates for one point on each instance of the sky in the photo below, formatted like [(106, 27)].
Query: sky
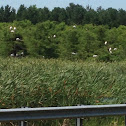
[(117, 4)]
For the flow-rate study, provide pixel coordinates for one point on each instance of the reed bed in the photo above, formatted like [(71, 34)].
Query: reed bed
[(30, 82)]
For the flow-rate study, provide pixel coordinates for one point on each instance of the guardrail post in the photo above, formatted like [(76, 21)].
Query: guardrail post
[(23, 123), (79, 122)]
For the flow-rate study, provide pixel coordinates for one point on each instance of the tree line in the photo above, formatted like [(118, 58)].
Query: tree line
[(73, 14), (51, 39)]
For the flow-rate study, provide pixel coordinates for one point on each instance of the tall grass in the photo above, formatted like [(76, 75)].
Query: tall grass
[(32, 82)]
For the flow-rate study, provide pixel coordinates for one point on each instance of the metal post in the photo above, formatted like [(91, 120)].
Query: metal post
[(79, 122), (23, 123)]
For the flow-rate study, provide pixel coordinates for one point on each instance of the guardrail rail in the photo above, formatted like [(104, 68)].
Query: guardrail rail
[(78, 112)]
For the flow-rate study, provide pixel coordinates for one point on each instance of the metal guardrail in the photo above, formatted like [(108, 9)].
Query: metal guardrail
[(23, 114)]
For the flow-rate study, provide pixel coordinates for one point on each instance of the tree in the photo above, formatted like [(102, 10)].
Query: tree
[(44, 14), (75, 14), (88, 42), (112, 17), (122, 17), (2, 14), (9, 14), (12, 15), (58, 14), (21, 13), (91, 16), (33, 14), (47, 39), (12, 41), (41, 40)]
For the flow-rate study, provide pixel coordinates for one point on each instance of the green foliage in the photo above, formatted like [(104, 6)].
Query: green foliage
[(72, 14), (51, 39)]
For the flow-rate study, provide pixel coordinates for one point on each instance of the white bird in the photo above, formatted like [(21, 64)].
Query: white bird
[(17, 39), (12, 55), (115, 49), (95, 55), (106, 42), (14, 28), (22, 53), (10, 27), (12, 31), (74, 26), (73, 53), (54, 36), (110, 49)]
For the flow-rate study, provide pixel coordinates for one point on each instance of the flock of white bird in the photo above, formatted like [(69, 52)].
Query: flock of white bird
[(54, 36), (109, 49), (17, 55), (12, 30)]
